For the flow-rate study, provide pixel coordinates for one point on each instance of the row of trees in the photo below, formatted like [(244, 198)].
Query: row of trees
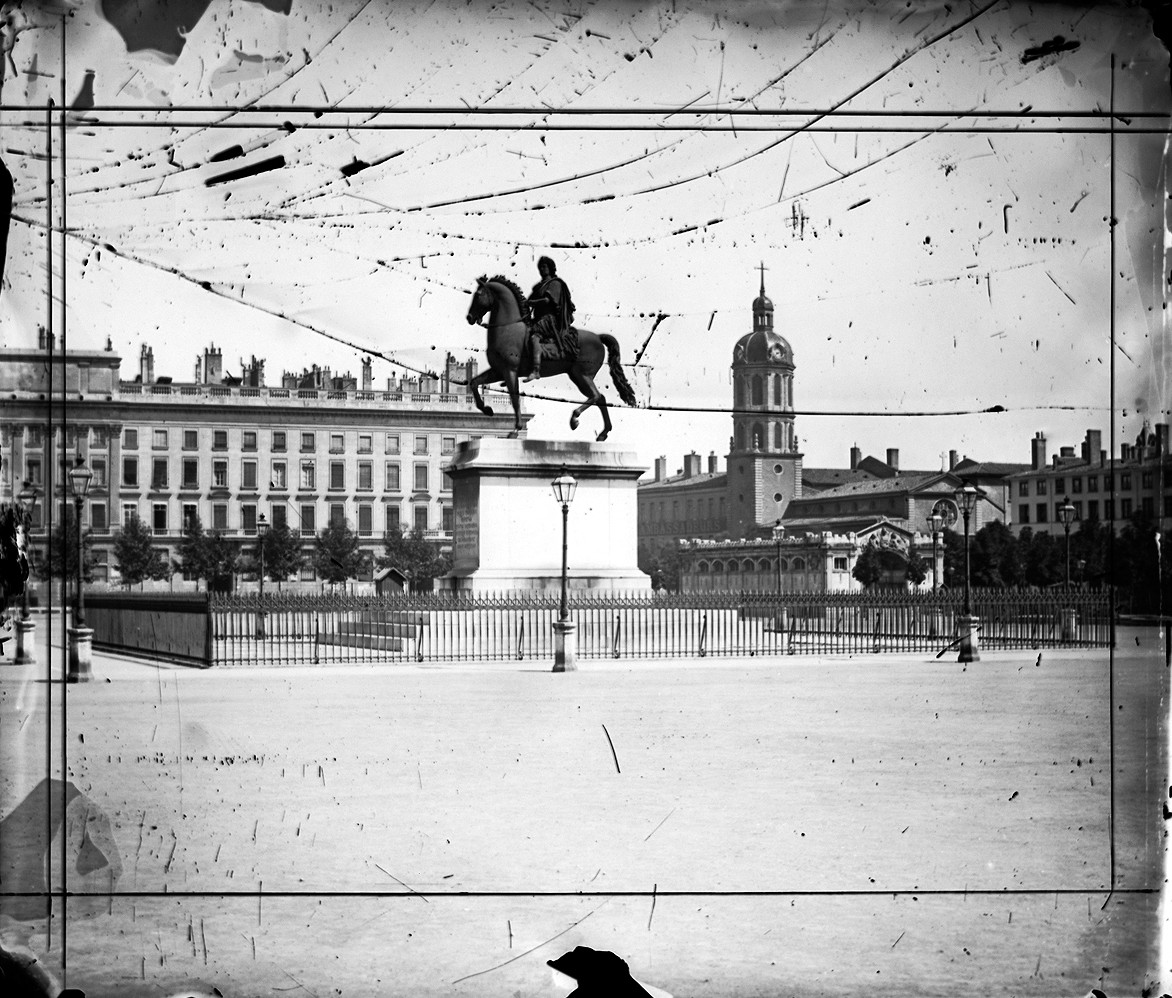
[(215, 559), (1132, 560)]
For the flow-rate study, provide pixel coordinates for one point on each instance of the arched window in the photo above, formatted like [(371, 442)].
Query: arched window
[(777, 389), (740, 435), (784, 567), (702, 568), (777, 436), (763, 565), (758, 390), (738, 393), (759, 441), (747, 565), (717, 567), (799, 564)]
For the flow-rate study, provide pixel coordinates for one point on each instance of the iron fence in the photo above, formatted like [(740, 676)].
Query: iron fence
[(310, 629)]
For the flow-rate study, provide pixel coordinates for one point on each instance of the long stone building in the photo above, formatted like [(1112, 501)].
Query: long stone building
[(319, 447)]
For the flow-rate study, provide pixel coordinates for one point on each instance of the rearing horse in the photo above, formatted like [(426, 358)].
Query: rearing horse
[(508, 357)]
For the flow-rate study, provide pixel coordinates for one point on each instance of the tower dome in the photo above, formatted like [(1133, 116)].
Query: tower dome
[(762, 345)]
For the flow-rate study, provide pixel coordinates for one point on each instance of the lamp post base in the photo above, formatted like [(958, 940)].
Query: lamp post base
[(81, 655), (970, 650), (565, 646), (26, 649)]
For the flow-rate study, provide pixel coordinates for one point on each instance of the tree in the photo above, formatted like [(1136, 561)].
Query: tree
[(867, 570), (1042, 557), (221, 560), (917, 568), (62, 560), (193, 550), (664, 567), (336, 555), (420, 560), (138, 558), (284, 555), (995, 557)]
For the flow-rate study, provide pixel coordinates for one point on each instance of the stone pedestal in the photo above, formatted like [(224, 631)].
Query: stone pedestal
[(81, 655), (1069, 624), (26, 649), (565, 646), (508, 526), (970, 650)]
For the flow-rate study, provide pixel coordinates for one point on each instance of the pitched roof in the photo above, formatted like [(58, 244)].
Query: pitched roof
[(707, 478), (902, 482)]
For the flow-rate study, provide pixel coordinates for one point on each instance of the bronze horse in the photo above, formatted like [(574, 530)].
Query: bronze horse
[(508, 356)]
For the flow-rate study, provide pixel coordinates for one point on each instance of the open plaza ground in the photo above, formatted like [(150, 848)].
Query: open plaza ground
[(833, 825)]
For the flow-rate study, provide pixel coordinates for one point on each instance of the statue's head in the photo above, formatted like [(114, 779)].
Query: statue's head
[(546, 267)]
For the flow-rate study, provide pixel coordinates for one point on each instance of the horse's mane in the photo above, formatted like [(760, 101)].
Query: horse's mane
[(517, 292)]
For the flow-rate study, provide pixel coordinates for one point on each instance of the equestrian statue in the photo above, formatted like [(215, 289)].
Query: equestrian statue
[(534, 338)]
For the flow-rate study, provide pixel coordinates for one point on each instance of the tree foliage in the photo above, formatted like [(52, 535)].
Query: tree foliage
[(867, 570), (283, 554), (420, 560), (138, 558), (336, 555), (663, 565), (62, 555)]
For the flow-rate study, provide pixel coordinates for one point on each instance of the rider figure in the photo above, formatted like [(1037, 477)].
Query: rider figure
[(551, 311)]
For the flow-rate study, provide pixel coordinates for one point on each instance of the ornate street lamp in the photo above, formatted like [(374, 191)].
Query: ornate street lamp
[(778, 534), (26, 502), (80, 636), (262, 529), (967, 498), (936, 522), (1066, 515), (565, 651)]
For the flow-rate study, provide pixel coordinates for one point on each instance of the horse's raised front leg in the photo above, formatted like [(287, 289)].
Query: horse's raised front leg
[(488, 377)]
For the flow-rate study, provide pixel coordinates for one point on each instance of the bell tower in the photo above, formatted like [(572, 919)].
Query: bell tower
[(764, 465)]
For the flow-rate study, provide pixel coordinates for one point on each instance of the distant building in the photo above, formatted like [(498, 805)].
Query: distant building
[(1099, 489), (229, 448)]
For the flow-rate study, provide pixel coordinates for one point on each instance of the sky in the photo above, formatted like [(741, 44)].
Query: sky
[(929, 187)]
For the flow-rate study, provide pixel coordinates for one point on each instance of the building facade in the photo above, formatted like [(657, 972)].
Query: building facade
[(1099, 489), (230, 449), (765, 482)]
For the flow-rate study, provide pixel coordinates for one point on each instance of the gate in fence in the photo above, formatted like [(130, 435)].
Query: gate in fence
[(309, 630)]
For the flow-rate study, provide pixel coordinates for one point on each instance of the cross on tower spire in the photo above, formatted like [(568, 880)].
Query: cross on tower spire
[(763, 269)]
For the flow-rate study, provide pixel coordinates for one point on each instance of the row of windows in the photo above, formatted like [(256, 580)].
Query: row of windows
[(307, 478), (1042, 514), (762, 565), (782, 391), (279, 442), (1126, 481), (303, 517), (657, 511)]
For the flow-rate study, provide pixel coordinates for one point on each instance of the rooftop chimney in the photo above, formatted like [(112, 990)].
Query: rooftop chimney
[(660, 468), (713, 467), (1092, 445), (856, 457), (1038, 451), (893, 458), (952, 459), (692, 465), (367, 374), (146, 365), (213, 366)]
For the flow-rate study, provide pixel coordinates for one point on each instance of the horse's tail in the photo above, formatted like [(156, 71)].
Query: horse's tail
[(617, 376)]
